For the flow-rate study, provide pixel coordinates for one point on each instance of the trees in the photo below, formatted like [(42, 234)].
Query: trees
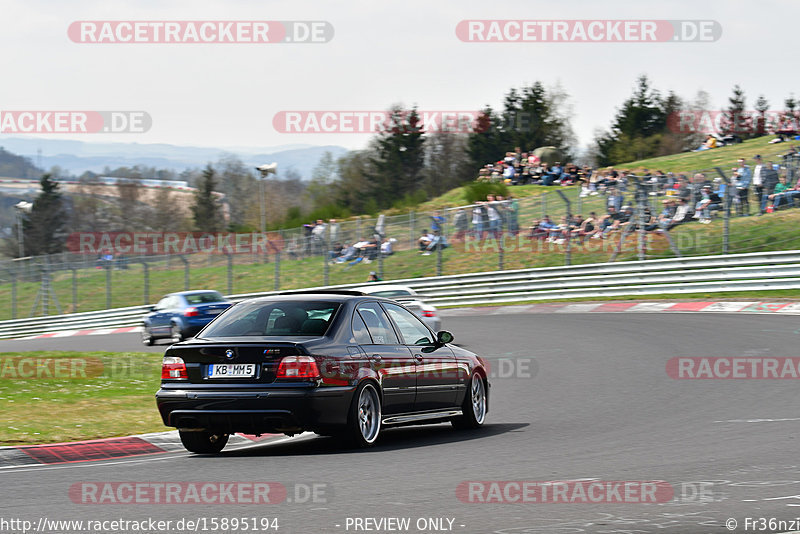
[(532, 117), (639, 128), (322, 177), (43, 227), (445, 164), (206, 210), (790, 106), (734, 119), (241, 190), (90, 211), (131, 207), (351, 190), (398, 158)]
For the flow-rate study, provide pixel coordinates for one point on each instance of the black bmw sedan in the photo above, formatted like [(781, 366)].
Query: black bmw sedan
[(335, 363)]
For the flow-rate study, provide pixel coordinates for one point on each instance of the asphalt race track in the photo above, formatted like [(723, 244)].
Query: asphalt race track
[(574, 397)]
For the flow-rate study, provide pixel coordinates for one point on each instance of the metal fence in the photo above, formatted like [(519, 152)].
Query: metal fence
[(735, 272), (69, 283)]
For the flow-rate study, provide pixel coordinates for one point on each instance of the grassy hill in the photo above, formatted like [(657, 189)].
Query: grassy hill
[(776, 231)]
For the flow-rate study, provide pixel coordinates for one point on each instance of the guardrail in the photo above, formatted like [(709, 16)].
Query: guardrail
[(735, 272)]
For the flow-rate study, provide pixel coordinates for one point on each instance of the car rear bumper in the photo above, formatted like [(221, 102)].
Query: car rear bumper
[(290, 409)]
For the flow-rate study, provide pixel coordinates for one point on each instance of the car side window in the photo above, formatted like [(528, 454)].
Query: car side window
[(360, 332), (162, 304), (411, 328), (380, 329)]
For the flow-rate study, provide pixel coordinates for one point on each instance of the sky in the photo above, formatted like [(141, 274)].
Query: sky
[(381, 53)]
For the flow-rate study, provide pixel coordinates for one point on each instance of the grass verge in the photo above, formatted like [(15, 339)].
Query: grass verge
[(52, 396)]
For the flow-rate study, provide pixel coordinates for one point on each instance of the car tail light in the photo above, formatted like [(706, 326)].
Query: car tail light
[(173, 367), (428, 313), (191, 312), (298, 367)]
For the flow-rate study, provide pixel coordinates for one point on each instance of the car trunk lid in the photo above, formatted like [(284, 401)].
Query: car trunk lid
[(233, 363), (209, 311)]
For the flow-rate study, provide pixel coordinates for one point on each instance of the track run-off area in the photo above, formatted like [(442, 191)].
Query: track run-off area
[(591, 429)]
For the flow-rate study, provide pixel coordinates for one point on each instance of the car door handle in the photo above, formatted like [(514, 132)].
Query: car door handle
[(418, 357)]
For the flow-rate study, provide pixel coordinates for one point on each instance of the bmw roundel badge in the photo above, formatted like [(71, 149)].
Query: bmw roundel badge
[(229, 354)]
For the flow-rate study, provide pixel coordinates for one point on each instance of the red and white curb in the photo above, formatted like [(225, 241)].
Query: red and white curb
[(87, 332), (791, 308), (556, 307), (107, 449)]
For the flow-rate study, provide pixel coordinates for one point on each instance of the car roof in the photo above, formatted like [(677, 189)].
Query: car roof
[(192, 292), (310, 296), (385, 287)]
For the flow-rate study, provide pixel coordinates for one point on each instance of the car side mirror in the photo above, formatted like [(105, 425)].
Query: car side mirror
[(444, 337), (151, 308)]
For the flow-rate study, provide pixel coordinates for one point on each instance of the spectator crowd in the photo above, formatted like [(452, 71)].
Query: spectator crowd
[(631, 200)]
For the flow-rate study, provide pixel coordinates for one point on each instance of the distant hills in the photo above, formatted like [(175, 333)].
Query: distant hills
[(76, 157)]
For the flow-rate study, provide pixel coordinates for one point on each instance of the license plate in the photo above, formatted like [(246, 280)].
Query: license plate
[(232, 370)]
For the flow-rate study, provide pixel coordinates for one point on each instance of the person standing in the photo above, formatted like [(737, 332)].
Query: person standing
[(460, 224), (742, 179), (770, 176), (758, 179)]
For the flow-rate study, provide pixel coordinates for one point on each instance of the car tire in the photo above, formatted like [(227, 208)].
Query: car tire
[(177, 333), (204, 442), (474, 406), (364, 420), (147, 336)]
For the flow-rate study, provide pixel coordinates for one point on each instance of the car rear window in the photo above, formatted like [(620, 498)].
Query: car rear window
[(278, 318), (204, 298)]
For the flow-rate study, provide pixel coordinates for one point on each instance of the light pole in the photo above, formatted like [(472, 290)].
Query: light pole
[(265, 170), (20, 208)]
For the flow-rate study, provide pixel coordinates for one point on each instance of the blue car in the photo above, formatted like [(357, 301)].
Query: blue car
[(178, 316)]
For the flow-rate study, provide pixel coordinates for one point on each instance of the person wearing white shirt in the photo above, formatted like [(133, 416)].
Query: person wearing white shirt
[(758, 178)]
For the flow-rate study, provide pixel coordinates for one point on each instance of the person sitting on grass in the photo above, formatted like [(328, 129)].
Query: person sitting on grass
[(546, 224), (424, 240), (612, 222), (681, 214), (348, 253), (558, 232), (779, 194), (438, 242), (387, 247), (589, 227), (710, 143), (335, 251), (701, 209), (371, 249), (535, 231), (665, 217)]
